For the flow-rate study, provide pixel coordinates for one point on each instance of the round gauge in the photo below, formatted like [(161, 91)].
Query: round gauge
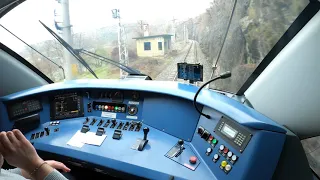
[(135, 95), (117, 97), (132, 110)]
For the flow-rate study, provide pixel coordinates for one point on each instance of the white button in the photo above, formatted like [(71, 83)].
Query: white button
[(216, 156), (209, 150), (234, 158), (221, 147), (228, 167), (229, 154)]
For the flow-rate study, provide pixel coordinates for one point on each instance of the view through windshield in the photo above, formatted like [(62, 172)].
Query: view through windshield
[(153, 35)]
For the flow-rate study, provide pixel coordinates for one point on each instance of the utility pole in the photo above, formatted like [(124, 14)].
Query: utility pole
[(122, 40), (185, 33), (173, 39), (66, 34)]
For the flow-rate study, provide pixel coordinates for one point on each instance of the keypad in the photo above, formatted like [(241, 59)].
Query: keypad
[(239, 139)]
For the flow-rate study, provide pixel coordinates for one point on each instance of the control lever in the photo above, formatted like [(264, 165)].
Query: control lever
[(100, 131), (176, 150), (144, 141), (180, 142), (47, 131), (86, 121), (85, 128)]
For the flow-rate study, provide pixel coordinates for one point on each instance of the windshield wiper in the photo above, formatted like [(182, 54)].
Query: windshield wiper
[(129, 70), (76, 54), (71, 50), (45, 57)]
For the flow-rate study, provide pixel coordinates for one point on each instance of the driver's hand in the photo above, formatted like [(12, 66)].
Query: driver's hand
[(18, 151), (58, 165)]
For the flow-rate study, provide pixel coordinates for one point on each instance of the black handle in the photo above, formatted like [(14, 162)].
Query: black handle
[(145, 131)]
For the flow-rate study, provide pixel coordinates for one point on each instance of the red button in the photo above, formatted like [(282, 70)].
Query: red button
[(210, 138), (193, 160), (226, 150)]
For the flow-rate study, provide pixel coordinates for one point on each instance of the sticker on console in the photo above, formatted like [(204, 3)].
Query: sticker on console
[(108, 114), (133, 102), (132, 117)]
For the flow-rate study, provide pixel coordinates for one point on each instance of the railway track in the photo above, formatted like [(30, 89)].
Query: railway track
[(189, 57)]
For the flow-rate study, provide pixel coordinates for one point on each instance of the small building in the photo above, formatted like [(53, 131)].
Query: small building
[(157, 45)]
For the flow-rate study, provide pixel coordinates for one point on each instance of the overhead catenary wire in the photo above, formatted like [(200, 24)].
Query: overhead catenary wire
[(64, 76)]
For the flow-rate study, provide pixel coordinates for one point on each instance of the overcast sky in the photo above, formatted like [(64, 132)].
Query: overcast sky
[(87, 15)]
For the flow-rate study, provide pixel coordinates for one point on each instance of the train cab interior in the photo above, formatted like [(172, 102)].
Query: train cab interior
[(187, 126)]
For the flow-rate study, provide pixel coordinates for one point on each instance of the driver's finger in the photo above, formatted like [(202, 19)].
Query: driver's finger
[(12, 137), (1, 148), (19, 135), (61, 166), (5, 142)]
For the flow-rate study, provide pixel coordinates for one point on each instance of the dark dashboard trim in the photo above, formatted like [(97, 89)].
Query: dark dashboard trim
[(310, 10), (25, 62)]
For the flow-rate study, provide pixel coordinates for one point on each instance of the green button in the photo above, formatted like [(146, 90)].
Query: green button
[(214, 141), (116, 108)]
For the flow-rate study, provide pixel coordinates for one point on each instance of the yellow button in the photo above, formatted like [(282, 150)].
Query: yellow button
[(223, 163)]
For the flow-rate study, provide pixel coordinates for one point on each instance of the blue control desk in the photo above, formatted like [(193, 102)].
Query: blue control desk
[(236, 143)]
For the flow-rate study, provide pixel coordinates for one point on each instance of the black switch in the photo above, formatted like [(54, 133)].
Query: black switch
[(100, 131), (114, 123), (200, 130), (144, 141), (42, 133), (100, 123), (47, 130), (205, 135), (85, 128), (145, 132), (32, 136), (139, 124), (86, 121), (93, 121), (117, 134)]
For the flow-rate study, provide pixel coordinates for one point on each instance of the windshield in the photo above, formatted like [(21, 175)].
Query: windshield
[(150, 36)]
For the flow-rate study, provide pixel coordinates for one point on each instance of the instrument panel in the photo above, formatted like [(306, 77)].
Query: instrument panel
[(65, 106), (23, 108)]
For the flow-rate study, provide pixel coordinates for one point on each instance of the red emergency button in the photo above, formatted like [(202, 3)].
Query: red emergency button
[(226, 150), (193, 160)]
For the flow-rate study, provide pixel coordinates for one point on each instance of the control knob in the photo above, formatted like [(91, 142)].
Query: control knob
[(113, 121)]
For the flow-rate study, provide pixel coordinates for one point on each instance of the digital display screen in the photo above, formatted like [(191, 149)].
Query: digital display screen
[(229, 131), (66, 106)]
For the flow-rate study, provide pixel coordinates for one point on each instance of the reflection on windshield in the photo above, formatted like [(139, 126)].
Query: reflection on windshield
[(150, 40)]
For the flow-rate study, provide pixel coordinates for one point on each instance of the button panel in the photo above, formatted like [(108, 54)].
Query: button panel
[(230, 157), (205, 134)]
